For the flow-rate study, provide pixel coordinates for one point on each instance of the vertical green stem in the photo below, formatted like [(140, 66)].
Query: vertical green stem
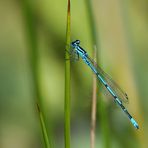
[(67, 82), (34, 59)]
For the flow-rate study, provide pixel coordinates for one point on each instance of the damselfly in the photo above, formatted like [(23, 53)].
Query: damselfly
[(115, 91)]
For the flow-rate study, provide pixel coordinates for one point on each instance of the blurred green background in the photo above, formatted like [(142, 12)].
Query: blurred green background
[(122, 30)]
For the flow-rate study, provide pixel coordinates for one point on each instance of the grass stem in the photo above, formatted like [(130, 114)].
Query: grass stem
[(67, 82)]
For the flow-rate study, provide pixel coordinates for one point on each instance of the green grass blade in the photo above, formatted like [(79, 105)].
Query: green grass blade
[(44, 129), (67, 82)]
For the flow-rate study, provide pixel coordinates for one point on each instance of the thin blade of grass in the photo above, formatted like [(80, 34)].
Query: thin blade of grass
[(67, 82), (43, 127)]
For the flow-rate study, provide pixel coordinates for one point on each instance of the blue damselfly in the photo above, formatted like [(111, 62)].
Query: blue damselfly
[(115, 91)]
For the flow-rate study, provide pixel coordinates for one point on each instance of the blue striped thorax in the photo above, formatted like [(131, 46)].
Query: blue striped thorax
[(78, 49)]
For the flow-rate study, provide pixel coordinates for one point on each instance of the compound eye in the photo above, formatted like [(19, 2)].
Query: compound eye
[(77, 42)]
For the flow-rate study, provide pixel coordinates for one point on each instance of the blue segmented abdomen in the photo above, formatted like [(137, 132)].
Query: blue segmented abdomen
[(110, 85)]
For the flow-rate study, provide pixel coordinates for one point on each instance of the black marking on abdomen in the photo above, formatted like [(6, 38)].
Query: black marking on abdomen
[(125, 110), (115, 97), (106, 85)]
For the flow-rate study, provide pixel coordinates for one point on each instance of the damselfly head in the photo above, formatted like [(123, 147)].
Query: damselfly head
[(75, 43)]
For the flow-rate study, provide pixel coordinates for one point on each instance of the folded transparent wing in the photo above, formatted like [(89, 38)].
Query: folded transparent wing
[(113, 85)]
